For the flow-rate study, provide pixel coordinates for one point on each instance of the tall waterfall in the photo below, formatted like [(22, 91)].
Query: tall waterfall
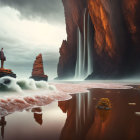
[(84, 62), (89, 48)]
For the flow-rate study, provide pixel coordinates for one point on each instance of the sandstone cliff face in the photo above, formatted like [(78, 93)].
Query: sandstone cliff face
[(131, 11), (66, 60), (73, 10), (116, 37), (110, 37)]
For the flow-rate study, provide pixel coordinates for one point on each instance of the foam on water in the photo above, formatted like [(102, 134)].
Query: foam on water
[(20, 94), (18, 85)]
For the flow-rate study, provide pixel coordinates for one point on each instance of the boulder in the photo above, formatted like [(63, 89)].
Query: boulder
[(7, 72)]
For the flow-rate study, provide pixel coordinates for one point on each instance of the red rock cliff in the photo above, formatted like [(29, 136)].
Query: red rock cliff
[(73, 10), (116, 37)]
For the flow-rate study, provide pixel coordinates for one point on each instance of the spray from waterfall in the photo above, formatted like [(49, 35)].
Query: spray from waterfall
[(84, 62)]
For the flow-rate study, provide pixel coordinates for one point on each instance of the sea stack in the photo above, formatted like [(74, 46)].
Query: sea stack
[(38, 70)]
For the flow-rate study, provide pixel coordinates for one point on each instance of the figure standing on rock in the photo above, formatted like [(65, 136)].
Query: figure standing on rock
[(2, 58)]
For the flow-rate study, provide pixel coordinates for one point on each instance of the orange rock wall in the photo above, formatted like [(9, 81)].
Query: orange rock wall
[(131, 12), (116, 38), (73, 10)]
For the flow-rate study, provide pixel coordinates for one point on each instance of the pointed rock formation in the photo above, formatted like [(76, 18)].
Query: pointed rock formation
[(38, 70)]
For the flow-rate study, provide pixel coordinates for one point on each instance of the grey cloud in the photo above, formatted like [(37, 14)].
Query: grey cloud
[(51, 10), (21, 53), (20, 59)]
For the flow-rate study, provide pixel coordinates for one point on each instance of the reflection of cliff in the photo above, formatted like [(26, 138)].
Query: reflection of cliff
[(116, 37), (38, 115), (76, 125), (85, 122), (83, 119)]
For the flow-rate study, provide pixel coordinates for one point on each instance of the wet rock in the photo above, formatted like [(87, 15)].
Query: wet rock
[(7, 72)]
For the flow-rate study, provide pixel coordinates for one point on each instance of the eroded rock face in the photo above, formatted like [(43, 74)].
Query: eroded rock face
[(131, 11), (116, 38), (73, 10), (110, 37), (64, 59)]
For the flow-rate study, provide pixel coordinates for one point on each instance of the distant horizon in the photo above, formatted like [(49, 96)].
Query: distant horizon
[(26, 32)]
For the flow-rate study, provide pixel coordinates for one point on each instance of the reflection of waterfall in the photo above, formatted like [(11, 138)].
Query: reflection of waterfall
[(84, 63), (83, 102)]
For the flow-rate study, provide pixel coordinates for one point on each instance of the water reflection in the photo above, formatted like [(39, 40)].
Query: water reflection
[(78, 119), (40, 123), (38, 115), (2, 124), (103, 114), (80, 115), (86, 122)]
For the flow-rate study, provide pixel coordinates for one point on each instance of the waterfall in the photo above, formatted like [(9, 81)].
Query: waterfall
[(89, 48), (79, 68), (84, 62)]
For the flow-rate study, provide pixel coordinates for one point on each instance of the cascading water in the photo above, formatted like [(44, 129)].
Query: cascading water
[(89, 48), (84, 63), (79, 68)]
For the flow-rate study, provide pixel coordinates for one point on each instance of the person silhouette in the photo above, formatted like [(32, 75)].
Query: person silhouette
[(2, 58)]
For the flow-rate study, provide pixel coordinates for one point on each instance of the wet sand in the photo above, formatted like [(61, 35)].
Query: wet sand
[(78, 118)]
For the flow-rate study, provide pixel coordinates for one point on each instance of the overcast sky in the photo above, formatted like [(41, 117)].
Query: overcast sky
[(30, 27)]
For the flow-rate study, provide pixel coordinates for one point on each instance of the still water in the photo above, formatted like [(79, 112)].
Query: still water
[(78, 118)]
